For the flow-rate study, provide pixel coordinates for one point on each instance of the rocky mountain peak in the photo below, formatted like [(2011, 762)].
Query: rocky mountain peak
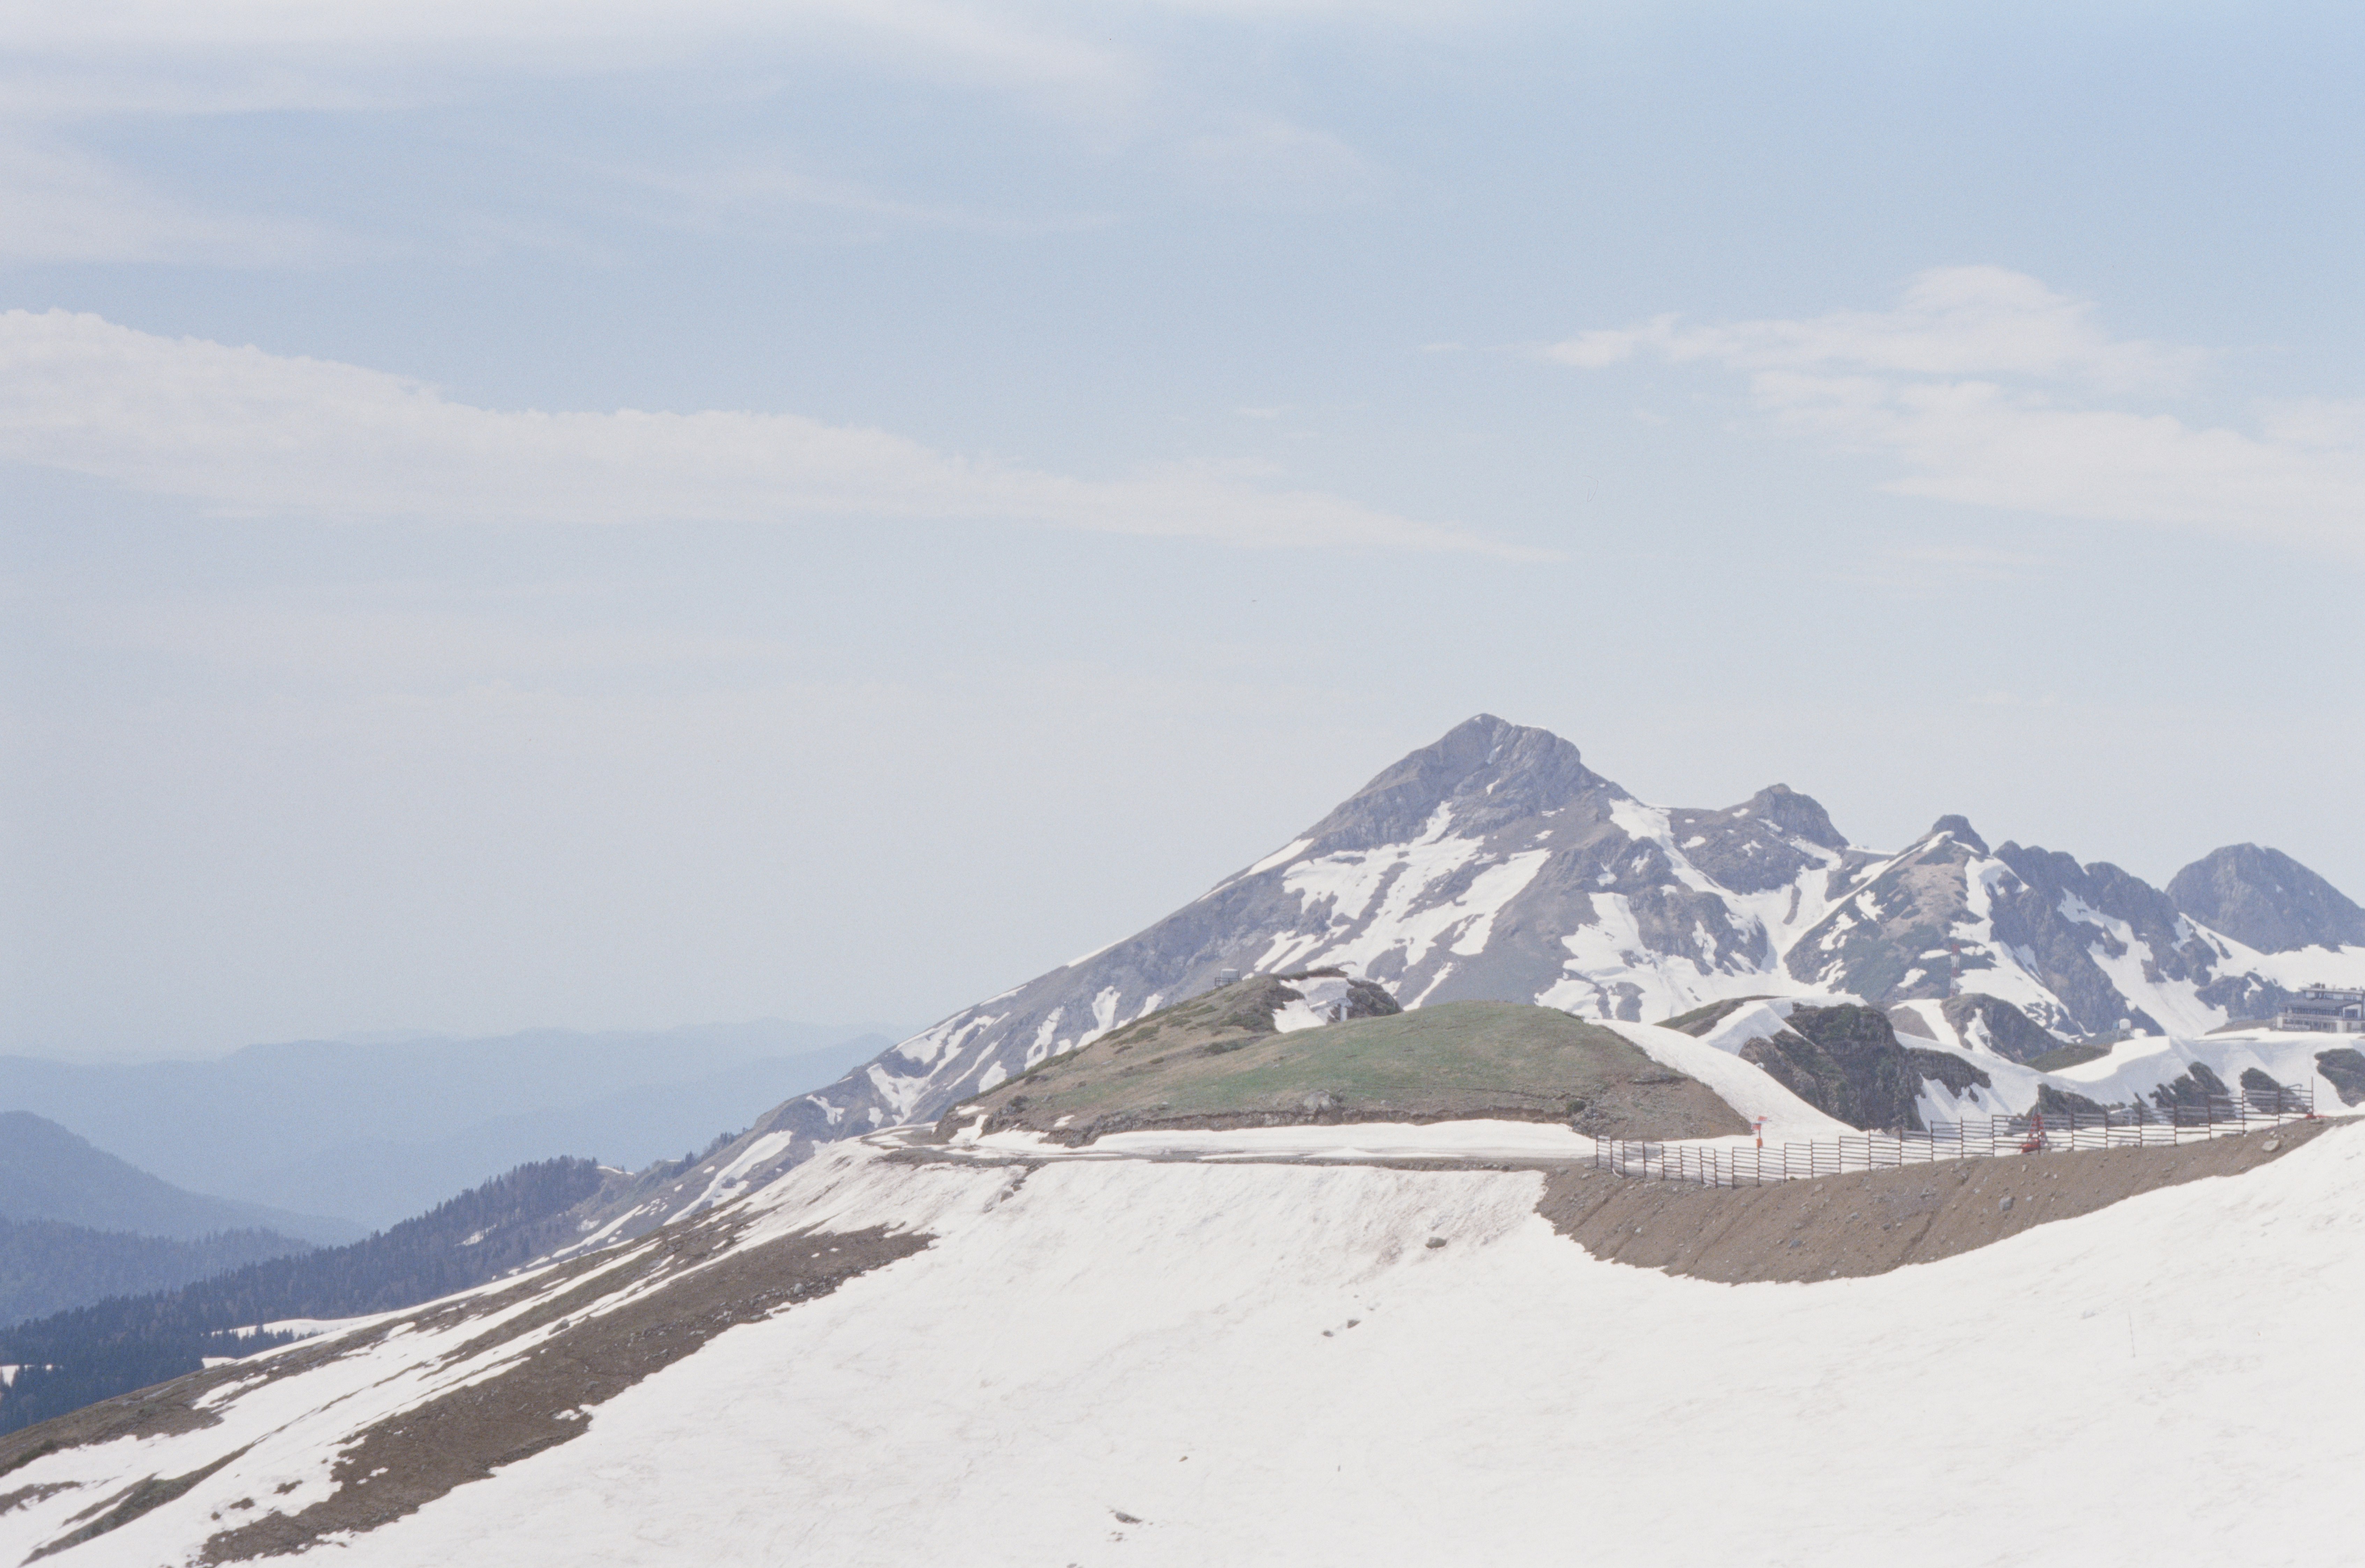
[(1799, 816), (1960, 829), (1764, 843), (1489, 770), (2265, 900)]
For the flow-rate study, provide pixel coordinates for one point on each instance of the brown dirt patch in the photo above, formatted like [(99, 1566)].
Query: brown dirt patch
[(1840, 1227), (153, 1492), (25, 1495), (158, 1411), (393, 1468), (167, 1408)]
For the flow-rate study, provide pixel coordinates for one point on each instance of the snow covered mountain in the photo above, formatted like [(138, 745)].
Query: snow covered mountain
[(1493, 865), (1094, 1318)]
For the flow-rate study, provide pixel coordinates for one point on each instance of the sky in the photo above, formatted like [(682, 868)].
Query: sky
[(609, 515)]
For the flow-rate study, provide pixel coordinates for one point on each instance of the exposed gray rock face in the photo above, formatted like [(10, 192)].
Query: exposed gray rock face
[(2198, 1090), (1754, 846), (2264, 899), (2008, 1031), (1887, 940), (2077, 920), (1958, 828), (1847, 1062), (1495, 866), (2345, 1066), (2059, 1104)]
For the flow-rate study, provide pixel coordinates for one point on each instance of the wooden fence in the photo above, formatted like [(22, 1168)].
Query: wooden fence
[(1986, 1138)]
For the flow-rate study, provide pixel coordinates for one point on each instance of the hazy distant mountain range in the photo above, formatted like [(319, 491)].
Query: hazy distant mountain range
[(78, 1225), (1495, 865), (373, 1134), (47, 1173)]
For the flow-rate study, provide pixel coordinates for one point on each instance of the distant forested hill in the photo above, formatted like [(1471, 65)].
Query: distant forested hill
[(70, 1358), (48, 1266), (50, 1172)]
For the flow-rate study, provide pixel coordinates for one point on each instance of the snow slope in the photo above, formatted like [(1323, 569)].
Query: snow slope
[(1123, 1361), (1749, 1090)]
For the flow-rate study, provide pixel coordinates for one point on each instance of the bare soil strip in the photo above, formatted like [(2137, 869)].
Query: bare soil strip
[(161, 1410), (167, 1408), (23, 1496), (1868, 1223), (398, 1465), (152, 1493)]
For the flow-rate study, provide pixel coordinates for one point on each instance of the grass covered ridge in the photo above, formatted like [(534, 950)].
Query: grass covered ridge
[(1206, 1062)]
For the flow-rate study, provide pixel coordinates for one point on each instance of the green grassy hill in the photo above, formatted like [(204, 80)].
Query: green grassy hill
[(1218, 1062)]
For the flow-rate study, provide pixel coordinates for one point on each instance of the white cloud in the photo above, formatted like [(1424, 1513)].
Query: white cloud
[(1105, 76), (1951, 321), (1991, 389), (66, 66), (242, 431)]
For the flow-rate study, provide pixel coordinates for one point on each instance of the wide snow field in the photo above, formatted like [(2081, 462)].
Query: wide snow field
[(1122, 1361)]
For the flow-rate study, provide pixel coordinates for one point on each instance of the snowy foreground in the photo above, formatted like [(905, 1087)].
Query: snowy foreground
[(1104, 1361)]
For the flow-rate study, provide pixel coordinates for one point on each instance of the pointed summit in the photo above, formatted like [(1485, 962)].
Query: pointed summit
[(1959, 829), (1802, 816), (1489, 771), (1766, 842)]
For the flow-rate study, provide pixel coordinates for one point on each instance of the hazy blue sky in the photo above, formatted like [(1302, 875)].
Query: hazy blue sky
[(605, 514)]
